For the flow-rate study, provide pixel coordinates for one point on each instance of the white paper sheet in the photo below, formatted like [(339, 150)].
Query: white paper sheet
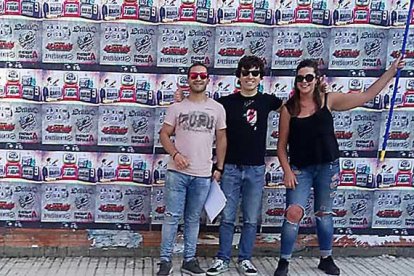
[(216, 200)]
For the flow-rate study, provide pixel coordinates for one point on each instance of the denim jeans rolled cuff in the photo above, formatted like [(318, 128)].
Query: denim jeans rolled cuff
[(246, 182), (184, 195), (287, 257), (325, 253), (324, 179)]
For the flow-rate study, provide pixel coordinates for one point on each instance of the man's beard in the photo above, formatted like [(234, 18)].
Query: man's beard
[(198, 89)]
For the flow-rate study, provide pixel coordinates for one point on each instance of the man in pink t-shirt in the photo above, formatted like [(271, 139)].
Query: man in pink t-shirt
[(195, 122)]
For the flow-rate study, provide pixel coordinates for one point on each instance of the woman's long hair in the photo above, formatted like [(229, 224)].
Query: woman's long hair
[(293, 104)]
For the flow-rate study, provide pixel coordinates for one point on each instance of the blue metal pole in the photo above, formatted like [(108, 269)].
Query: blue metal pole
[(397, 79)]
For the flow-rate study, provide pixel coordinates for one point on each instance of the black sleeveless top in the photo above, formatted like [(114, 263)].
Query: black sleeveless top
[(312, 139)]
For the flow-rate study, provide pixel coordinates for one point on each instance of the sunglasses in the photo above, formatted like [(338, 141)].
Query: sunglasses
[(254, 73), (308, 78), (195, 75)]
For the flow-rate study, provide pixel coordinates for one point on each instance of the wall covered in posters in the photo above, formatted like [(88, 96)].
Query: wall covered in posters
[(84, 87)]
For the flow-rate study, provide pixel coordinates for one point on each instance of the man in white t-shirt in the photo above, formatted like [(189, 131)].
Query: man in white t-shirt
[(195, 122)]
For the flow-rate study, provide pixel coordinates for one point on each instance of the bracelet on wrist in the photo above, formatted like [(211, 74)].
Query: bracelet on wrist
[(220, 170), (175, 154), (215, 168)]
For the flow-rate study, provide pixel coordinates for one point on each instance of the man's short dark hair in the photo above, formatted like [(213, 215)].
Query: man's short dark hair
[(248, 62), (194, 65)]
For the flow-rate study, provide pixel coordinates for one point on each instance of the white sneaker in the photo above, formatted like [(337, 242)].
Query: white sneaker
[(248, 268), (219, 266)]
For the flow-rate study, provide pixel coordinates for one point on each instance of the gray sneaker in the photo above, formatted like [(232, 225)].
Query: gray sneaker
[(219, 266), (192, 267), (248, 268), (166, 268)]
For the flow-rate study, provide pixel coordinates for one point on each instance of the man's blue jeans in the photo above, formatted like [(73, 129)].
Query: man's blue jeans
[(324, 179), (245, 182), (184, 195)]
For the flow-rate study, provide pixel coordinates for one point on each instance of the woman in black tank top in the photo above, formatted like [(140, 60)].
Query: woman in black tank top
[(306, 127)]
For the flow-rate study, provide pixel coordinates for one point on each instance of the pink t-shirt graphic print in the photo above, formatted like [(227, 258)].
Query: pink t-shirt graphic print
[(197, 121)]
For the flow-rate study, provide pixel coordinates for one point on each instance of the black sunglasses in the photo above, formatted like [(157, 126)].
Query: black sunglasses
[(308, 78), (254, 73)]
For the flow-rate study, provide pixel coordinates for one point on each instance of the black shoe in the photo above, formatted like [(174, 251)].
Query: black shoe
[(282, 268), (166, 268), (328, 266), (192, 267)]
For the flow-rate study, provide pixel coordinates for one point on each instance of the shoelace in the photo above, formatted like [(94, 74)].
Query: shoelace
[(217, 263), (193, 262), (248, 265)]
